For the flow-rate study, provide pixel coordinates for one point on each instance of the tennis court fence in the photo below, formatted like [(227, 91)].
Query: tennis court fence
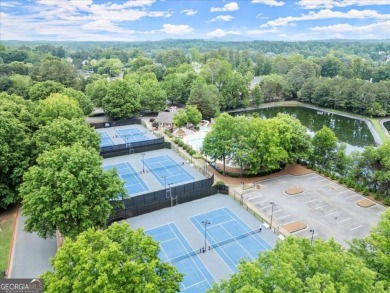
[(157, 200), (134, 147)]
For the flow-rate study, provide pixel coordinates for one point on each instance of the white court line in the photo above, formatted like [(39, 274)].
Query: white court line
[(321, 207), (357, 227), (347, 219), (282, 217), (331, 213)]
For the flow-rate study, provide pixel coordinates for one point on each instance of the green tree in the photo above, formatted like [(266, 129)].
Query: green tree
[(55, 106), (56, 69), (205, 98), (257, 95), (275, 88), (15, 150), (68, 191), (296, 266), (83, 100), (324, 148), (117, 259), (374, 249), (21, 85), (122, 99), (96, 91), (152, 96), (63, 132), (193, 115), (41, 90), (180, 118), (174, 86), (218, 143)]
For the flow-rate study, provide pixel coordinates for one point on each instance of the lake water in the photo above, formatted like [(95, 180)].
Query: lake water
[(354, 133)]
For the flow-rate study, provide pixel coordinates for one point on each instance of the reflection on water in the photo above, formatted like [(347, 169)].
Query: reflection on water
[(354, 133), (387, 125)]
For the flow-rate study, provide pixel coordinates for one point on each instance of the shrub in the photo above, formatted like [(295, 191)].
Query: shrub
[(152, 120), (180, 143), (386, 201), (366, 191), (219, 183), (193, 153)]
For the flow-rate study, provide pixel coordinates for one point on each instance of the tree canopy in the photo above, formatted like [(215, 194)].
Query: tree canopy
[(68, 190), (296, 266), (117, 259)]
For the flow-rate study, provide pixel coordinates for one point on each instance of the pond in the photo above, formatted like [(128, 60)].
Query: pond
[(353, 132), (387, 125)]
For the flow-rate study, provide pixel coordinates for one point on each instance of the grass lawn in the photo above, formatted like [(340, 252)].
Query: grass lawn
[(7, 219), (379, 129)]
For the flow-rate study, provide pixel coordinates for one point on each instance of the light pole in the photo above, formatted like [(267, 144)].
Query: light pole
[(242, 193), (170, 193), (143, 162), (272, 212), (312, 235), (205, 223)]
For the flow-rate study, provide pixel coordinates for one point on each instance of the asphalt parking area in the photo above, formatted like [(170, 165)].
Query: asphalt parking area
[(326, 207)]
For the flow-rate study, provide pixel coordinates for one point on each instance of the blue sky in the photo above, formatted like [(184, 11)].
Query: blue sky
[(139, 20)]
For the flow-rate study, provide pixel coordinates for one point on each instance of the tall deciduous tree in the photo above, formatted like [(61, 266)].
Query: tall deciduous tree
[(152, 96), (55, 106), (84, 101), (118, 259), (68, 190), (63, 132), (296, 266), (193, 115), (41, 90), (180, 118), (374, 249), (218, 144), (96, 91), (205, 98), (122, 99), (324, 148)]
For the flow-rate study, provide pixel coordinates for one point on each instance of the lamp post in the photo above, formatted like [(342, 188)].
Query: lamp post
[(272, 212), (312, 235), (170, 193), (242, 193), (205, 223), (143, 162)]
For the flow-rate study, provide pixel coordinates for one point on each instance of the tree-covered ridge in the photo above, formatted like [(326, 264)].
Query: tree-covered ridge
[(330, 74)]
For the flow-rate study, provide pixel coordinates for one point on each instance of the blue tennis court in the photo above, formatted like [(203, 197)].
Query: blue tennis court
[(231, 238), (165, 167), (129, 135), (133, 182), (175, 249), (105, 140)]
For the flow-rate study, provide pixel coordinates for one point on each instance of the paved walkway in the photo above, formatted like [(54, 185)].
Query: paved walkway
[(31, 254)]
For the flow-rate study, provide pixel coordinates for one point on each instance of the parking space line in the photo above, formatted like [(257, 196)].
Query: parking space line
[(331, 213), (343, 192), (282, 217), (380, 212), (316, 234), (351, 196), (347, 219), (310, 200), (357, 227), (321, 207)]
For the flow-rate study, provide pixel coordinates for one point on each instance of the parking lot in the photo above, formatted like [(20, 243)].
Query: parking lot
[(326, 207)]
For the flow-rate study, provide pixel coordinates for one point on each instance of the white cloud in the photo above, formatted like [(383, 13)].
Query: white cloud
[(232, 6), (189, 12), (105, 25), (9, 4), (218, 33), (262, 31), (269, 2), (261, 16), (164, 14), (172, 29), (344, 28), (222, 17), (310, 4), (325, 14)]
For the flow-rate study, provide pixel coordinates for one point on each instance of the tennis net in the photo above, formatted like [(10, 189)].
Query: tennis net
[(186, 255), (250, 233), (164, 167)]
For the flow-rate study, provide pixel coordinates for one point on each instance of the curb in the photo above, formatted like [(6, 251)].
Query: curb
[(11, 251)]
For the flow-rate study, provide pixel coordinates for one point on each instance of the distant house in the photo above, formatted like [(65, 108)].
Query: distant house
[(165, 119)]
